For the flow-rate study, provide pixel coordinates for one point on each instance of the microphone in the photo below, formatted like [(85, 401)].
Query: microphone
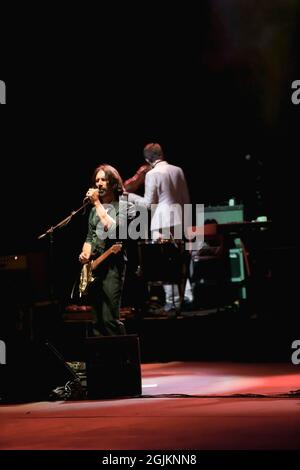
[(87, 198)]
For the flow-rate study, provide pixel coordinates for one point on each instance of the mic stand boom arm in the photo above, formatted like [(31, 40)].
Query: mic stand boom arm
[(63, 222), (49, 232)]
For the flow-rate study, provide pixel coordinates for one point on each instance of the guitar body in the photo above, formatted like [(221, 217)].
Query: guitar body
[(86, 278), (86, 275)]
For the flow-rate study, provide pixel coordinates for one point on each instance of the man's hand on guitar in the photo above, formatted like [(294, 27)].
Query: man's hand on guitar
[(84, 257)]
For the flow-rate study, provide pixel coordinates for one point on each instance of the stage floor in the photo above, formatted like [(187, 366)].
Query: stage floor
[(174, 412)]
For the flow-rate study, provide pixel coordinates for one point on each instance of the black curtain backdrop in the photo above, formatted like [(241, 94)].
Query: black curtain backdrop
[(212, 85)]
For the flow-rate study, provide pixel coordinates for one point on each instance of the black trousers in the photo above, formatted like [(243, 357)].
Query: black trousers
[(106, 294)]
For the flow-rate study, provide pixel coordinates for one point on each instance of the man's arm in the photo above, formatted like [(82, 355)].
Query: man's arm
[(86, 252), (150, 195), (104, 217), (185, 191), (125, 213)]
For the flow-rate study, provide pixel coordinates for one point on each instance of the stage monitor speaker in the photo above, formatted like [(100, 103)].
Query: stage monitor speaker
[(237, 264), (224, 214), (32, 371), (113, 366)]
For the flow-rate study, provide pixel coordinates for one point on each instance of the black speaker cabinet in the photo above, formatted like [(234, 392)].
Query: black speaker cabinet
[(113, 366)]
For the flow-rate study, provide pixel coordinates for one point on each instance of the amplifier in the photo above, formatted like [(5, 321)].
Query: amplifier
[(24, 276), (224, 214), (237, 264), (13, 262)]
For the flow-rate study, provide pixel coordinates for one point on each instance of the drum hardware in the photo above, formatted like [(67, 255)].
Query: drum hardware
[(163, 261)]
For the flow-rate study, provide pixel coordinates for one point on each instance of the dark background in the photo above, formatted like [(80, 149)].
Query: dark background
[(212, 84)]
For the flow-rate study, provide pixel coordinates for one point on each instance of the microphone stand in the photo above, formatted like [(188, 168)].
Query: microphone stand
[(50, 232)]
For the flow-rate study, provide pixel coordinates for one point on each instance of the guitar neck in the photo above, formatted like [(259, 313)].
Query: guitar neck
[(101, 258)]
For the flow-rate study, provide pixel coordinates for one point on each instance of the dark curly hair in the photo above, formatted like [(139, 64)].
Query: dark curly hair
[(113, 177)]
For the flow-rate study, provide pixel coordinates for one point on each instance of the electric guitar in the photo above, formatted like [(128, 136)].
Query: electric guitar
[(86, 275)]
